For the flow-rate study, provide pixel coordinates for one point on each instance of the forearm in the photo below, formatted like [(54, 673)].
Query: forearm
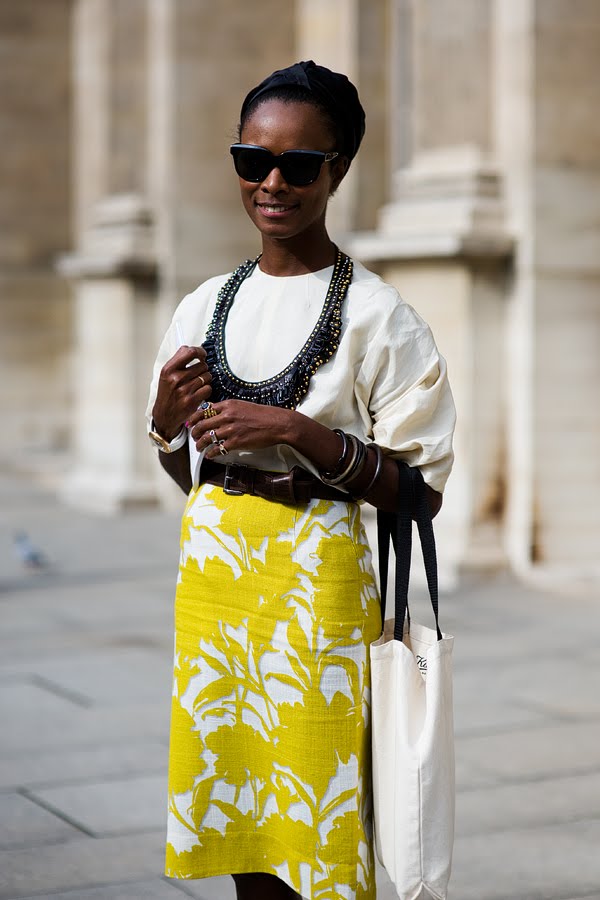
[(177, 465), (314, 441), (323, 447)]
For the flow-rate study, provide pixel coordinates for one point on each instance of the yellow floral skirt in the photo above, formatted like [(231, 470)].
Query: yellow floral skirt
[(269, 767)]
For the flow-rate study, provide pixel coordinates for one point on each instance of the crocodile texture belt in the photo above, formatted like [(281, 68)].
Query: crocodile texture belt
[(296, 486)]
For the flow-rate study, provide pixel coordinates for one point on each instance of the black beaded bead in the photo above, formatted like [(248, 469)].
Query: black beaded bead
[(287, 388)]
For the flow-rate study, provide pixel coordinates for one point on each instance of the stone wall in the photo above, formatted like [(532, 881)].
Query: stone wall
[(566, 257), (35, 223)]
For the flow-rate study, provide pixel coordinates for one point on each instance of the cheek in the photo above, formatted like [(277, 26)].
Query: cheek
[(247, 198), (320, 200)]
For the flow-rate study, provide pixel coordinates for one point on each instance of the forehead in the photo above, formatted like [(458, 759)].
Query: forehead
[(279, 125)]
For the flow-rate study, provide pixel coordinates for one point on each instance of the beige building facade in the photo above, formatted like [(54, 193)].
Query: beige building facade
[(476, 192)]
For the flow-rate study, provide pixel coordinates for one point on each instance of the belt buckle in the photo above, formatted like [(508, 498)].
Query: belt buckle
[(228, 478)]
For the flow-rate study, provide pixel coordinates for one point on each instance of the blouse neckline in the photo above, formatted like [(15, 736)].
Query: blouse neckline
[(289, 386), (318, 273)]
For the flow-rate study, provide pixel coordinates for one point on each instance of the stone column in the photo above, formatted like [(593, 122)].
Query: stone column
[(158, 91), (35, 225), (350, 36), (327, 34), (442, 240), (115, 272), (548, 92), (114, 264)]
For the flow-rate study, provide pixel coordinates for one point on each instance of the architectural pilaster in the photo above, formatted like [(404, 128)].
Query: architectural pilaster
[(352, 36), (35, 224), (442, 239), (547, 91), (115, 275), (157, 206), (443, 242)]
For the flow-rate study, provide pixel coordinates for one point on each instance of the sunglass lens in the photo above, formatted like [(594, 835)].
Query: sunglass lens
[(252, 164), (300, 169)]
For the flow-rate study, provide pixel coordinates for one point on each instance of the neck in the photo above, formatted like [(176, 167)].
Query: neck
[(296, 258)]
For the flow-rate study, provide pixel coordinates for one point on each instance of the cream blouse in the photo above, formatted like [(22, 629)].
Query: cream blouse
[(386, 382)]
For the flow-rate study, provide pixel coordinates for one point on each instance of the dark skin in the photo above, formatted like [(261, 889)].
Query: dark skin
[(291, 221), (294, 242)]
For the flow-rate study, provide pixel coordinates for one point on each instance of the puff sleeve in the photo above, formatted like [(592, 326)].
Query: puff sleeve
[(404, 383)]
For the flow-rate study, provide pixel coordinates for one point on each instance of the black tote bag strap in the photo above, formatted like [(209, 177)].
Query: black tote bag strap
[(398, 526), (385, 524), (427, 538)]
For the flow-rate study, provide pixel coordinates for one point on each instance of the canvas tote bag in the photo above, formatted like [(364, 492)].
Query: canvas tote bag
[(412, 716)]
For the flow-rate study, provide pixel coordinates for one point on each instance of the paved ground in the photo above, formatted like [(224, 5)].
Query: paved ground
[(84, 692)]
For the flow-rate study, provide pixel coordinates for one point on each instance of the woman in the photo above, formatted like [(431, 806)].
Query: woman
[(309, 365)]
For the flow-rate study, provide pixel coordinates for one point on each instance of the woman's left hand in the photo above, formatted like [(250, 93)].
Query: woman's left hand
[(238, 425)]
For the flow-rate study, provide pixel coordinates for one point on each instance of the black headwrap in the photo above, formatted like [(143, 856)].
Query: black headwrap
[(335, 92)]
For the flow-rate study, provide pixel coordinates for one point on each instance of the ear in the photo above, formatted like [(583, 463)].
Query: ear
[(339, 169)]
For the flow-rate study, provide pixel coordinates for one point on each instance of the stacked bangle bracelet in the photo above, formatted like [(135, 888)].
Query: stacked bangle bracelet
[(331, 476), (376, 473), (352, 462)]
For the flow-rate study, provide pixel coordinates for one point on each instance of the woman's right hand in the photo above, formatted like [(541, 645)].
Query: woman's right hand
[(182, 386)]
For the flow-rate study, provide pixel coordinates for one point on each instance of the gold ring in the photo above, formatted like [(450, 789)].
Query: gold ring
[(207, 408), (222, 448), (202, 380)]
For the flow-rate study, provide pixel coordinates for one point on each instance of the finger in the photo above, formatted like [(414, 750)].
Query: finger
[(193, 352), (187, 354), (192, 395), (208, 443), (203, 423), (202, 380), (200, 430), (218, 450), (199, 396), (182, 398), (210, 432), (192, 404), (215, 453), (193, 383), (196, 370)]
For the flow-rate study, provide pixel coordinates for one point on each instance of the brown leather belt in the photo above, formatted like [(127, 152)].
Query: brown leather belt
[(296, 486)]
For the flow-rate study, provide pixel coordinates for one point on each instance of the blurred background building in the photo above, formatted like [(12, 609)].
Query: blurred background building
[(476, 192)]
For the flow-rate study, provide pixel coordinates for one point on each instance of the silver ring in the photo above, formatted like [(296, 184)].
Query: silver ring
[(202, 380), (213, 437)]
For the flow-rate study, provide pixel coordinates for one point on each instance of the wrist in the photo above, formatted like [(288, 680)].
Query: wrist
[(316, 442), (289, 428), (167, 433), (167, 444)]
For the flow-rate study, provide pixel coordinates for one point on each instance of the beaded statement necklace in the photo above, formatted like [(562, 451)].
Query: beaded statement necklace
[(287, 388)]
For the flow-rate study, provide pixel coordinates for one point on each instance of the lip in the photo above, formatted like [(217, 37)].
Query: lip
[(276, 210)]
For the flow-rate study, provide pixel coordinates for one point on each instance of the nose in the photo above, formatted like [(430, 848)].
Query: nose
[(274, 182)]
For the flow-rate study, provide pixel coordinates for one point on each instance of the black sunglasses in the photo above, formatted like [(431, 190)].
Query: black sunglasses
[(298, 167)]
